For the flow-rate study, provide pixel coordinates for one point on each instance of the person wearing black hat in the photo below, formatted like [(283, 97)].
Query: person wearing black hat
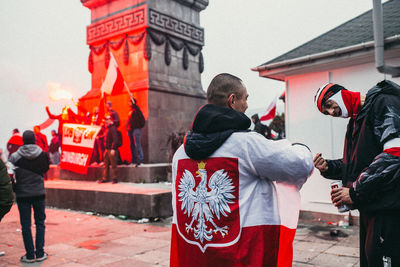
[(31, 163), (370, 166)]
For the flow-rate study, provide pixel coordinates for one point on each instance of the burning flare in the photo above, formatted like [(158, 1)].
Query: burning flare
[(56, 92)]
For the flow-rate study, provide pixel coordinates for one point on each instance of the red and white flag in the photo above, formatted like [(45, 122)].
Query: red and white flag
[(270, 113), (214, 226), (114, 82)]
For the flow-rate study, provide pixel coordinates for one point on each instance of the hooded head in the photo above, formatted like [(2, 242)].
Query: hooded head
[(108, 105), (28, 137), (132, 102), (335, 100), (255, 118)]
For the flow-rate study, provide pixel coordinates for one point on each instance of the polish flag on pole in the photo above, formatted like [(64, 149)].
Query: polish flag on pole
[(114, 82), (269, 114)]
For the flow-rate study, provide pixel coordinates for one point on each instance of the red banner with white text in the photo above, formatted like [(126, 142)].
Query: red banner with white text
[(77, 146)]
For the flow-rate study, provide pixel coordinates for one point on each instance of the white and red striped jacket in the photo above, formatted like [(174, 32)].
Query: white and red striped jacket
[(240, 206)]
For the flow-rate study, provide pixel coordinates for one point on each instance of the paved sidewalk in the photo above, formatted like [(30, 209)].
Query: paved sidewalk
[(314, 245), (80, 239)]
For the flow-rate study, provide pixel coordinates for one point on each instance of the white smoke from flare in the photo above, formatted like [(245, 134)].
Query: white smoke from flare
[(57, 92)]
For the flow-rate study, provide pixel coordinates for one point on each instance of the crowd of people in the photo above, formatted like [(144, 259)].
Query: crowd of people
[(109, 139), (53, 149), (107, 143), (30, 155), (238, 211)]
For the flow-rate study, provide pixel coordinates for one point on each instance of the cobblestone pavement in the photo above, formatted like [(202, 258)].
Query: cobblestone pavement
[(82, 239)]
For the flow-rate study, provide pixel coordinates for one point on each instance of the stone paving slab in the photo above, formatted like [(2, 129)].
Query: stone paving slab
[(343, 251), (128, 199), (145, 173), (330, 260), (127, 188), (79, 239)]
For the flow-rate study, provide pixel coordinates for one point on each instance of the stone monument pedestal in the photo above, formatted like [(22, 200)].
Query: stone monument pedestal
[(157, 45)]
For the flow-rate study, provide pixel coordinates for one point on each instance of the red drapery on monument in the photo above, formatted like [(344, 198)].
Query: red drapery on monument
[(125, 45)]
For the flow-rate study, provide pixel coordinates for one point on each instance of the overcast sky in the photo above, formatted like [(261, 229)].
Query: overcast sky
[(43, 44)]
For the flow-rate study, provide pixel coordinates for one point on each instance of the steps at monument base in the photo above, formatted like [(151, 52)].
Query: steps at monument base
[(132, 200), (145, 173)]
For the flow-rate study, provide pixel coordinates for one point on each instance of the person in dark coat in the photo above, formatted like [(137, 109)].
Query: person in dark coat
[(370, 166), (110, 154), (6, 192), (31, 163), (260, 128), (135, 124), (54, 148)]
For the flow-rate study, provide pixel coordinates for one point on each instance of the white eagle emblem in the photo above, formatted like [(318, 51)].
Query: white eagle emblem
[(202, 205)]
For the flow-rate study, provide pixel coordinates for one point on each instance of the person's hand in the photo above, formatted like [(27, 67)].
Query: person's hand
[(320, 163), (112, 152), (341, 196)]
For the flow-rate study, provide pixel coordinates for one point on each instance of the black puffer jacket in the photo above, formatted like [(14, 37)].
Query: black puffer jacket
[(211, 126), (6, 193), (136, 119), (372, 175), (31, 164)]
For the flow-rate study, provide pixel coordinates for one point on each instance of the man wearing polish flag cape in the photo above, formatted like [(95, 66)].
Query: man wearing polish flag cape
[(235, 194)]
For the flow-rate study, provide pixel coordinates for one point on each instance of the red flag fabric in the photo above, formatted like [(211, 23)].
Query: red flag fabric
[(270, 112), (113, 84), (252, 240), (102, 109), (226, 217), (46, 124)]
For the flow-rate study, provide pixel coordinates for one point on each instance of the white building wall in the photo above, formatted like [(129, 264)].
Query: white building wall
[(323, 134)]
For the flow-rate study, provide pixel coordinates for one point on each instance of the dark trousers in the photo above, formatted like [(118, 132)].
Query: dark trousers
[(132, 146), (135, 145), (110, 159), (98, 150), (25, 214), (4, 210), (379, 237)]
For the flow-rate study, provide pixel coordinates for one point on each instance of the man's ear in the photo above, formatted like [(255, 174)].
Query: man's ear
[(231, 100)]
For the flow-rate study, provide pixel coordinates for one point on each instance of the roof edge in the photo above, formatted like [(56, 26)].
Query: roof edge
[(324, 54)]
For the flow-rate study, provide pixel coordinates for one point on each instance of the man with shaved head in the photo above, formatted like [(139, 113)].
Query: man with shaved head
[(232, 189)]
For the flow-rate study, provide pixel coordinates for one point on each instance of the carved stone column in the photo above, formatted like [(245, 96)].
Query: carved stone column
[(157, 46)]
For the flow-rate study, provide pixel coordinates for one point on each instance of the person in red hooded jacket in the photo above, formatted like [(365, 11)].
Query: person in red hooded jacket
[(41, 139), (14, 142)]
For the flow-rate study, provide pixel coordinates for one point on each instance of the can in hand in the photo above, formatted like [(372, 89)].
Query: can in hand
[(338, 184)]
